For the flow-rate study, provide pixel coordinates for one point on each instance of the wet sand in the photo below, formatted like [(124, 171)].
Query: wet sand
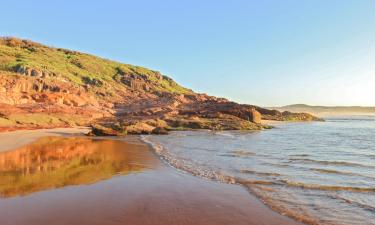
[(156, 194), (15, 139)]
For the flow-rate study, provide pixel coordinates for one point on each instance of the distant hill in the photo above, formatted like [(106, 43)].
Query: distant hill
[(327, 110), (44, 87)]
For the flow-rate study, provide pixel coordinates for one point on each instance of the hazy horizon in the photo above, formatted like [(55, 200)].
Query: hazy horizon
[(267, 53), (369, 106)]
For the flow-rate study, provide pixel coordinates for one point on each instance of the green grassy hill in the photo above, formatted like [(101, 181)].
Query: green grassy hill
[(22, 56)]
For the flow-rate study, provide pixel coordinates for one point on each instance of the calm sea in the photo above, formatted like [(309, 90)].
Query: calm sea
[(318, 173)]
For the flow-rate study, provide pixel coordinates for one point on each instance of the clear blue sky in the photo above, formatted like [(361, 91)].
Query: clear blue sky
[(258, 52)]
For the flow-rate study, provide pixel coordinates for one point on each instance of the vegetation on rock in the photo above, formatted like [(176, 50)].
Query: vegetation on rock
[(42, 87)]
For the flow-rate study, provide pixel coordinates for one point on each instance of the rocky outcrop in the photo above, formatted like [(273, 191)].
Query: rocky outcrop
[(137, 112), (256, 117), (19, 69), (115, 99)]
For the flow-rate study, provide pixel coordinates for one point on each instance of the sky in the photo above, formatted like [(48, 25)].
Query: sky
[(268, 53)]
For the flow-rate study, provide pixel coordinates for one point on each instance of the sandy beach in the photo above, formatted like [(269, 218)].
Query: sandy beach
[(14, 139), (156, 194)]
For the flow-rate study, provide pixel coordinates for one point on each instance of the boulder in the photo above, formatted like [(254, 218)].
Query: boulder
[(36, 73), (99, 130), (159, 130), (256, 117)]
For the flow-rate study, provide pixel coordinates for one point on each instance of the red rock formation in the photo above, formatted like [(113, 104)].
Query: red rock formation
[(124, 96)]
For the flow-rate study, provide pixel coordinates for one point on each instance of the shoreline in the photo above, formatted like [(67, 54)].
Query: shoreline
[(10, 140), (179, 195), (214, 176)]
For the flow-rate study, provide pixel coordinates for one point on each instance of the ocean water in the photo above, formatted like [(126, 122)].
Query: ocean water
[(316, 172)]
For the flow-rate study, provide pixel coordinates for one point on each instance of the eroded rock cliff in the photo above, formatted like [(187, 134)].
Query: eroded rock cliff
[(43, 87)]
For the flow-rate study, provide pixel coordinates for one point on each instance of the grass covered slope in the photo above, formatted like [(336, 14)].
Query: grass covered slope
[(45, 87), (42, 86), (23, 56)]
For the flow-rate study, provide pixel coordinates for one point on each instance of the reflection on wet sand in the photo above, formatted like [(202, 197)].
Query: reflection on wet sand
[(154, 195), (54, 162)]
